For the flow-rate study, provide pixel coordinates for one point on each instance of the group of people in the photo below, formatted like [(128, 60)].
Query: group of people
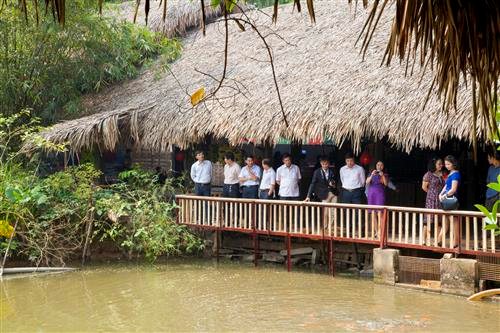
[(251, 181)]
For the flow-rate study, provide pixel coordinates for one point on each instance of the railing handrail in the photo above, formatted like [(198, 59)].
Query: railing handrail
[(338, 205)]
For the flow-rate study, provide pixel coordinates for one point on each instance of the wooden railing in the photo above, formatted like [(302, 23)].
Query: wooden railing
[(381, 225)]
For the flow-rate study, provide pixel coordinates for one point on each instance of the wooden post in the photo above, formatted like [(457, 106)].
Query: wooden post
[(331, 259), (288, 252), (383, 230)]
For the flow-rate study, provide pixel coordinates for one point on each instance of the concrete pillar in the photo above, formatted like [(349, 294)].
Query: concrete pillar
[(385, 266), (459, 276)]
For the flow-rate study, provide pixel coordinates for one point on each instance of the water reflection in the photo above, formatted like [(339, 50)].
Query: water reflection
[(201, 296)]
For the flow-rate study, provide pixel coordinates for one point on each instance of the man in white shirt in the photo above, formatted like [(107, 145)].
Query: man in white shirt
[(249, 179), (268, 182), (353, 179), (201, 174), (288, 177), (231, 177)]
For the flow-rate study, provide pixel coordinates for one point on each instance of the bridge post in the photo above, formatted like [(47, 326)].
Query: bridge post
[(288, 252), (255, 248), (383, 230), (331, 258)]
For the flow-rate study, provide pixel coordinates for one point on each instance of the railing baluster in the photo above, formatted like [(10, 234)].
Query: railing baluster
[(301, 219), (275, 218), (436, 222), (313, 220), (217, 214), (393, 226), (467, 233), (353, 219), (378, 225), (372, 219), (485, 246), (414, 229), (421, 228), (492, 235), (444, 230), (348, 222), (285, 218), (407, 226), (263, 226), (451, 220), (295, 218), (250, 216), (367, 232), (227, 214), (360, 219), (474, 222), (341, 210), (307, 220), (335, 221), (318, 222), (329, 221), (195, 211), (400, 226)]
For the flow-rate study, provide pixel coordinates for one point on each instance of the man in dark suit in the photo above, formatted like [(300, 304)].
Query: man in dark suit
[(323, 183)]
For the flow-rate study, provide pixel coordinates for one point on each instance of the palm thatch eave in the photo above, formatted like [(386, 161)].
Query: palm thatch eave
[(328, 90)]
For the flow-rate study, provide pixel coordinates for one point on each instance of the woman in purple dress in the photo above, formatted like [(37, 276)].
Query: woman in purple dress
[(376, 182)]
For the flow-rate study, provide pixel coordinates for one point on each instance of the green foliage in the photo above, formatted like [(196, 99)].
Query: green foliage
[(48, 217), (138, 214), (491, 217), (46, 67)]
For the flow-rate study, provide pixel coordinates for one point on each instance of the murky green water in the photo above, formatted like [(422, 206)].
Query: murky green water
[(201, 296)]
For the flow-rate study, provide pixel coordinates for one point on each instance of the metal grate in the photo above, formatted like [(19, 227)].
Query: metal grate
[(489, 268), (413, 270)]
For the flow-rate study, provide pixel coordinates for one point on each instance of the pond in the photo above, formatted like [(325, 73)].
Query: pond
[(184, 295)]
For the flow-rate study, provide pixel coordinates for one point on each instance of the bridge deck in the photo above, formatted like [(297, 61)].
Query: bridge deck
[(385, 226)]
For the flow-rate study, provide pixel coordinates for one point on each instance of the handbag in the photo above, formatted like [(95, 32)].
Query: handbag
[(450, 203)]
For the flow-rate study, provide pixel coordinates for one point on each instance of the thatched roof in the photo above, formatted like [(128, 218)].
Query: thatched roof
[(326, 88), (182, 15)]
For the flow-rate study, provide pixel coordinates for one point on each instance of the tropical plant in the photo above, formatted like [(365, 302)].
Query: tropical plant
[(138, 214), (46, 68)]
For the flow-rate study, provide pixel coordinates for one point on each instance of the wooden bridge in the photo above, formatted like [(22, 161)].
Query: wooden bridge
[(383, 226)]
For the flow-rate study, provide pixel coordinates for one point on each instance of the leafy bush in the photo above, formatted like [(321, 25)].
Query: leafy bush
[(140, 216), (46, 67), (50, 217)]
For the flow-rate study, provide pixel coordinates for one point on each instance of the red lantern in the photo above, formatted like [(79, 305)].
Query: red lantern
[(180, 156), (365, 158)]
